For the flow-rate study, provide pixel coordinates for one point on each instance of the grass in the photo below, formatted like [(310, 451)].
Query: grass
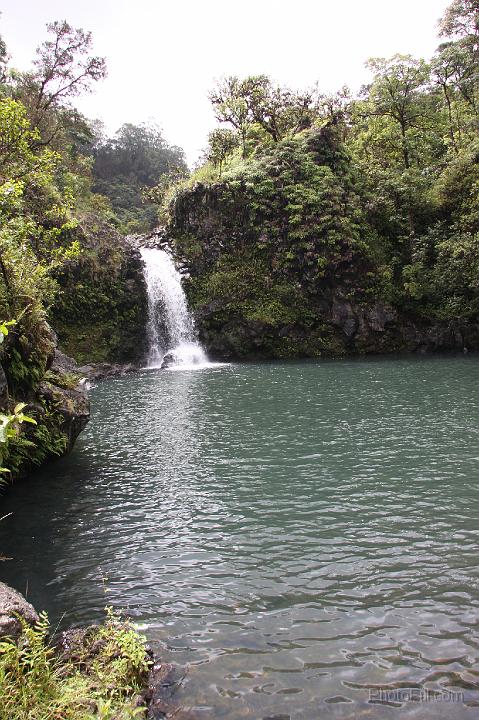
[(99, 677)]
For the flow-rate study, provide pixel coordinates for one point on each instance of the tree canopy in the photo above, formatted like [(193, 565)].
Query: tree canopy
[(130, 163)]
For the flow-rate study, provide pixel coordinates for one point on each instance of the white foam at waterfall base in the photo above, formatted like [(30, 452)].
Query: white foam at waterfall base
[(171, 332), (188, 356)]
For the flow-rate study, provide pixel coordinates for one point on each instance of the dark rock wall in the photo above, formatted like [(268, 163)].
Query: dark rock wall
[(55, 395), (100, 314), (248, 305)]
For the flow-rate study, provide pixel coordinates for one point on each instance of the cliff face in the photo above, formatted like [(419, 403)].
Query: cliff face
[(35, 373), (283, 261), (342, 328), (100, 314)]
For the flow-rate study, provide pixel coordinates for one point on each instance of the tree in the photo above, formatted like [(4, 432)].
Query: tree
[(278, 110), (255, 99), (337, 106), (221, 143), (452, 74), (460, 54), (230, 105), (63, 70), (129, 164), (139, 152), (3, 61), (397, 92), (16, 157), (461, 22), (35, 215)]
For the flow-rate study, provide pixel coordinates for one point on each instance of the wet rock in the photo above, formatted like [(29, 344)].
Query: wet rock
[(379, 316), (52, 392), (101, 313), (168, 360), (78, 645), (163, 682), (72, 405), (340, 318), (343, 327), (62, 364), (13, 605), (155, 239), (101, 371), (343, 316)]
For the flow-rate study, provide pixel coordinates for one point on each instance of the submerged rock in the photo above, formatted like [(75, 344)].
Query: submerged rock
[(163, 681), (13, 606)]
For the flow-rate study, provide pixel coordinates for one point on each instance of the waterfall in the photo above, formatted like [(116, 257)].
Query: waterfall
[(171, 331)]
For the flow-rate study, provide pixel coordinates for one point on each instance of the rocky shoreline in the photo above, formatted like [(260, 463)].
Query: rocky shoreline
[(102, 371), (74, 650)]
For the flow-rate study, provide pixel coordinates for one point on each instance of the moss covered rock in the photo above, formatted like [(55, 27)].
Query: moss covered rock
[(283, 261), (54, 395), (100, 313)]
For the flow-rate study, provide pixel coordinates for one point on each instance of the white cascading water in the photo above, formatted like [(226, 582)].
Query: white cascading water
[(171, 331)]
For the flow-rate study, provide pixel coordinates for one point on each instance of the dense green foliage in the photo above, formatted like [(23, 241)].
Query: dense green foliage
[(62, 260), (100, 313), (128, 165), (100, 677), (66, 194), (314, 215), (37, 235)]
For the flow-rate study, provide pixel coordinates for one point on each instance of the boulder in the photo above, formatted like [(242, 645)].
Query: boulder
[(101, 371), (62, 364), (13, 606), (72, 405), (164, 679), (168, 360), (71, 402)]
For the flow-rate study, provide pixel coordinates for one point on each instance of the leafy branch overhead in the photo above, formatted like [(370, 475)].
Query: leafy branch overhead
[(63, 69)]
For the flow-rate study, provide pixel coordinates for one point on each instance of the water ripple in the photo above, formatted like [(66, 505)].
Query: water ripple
[(300, 536)]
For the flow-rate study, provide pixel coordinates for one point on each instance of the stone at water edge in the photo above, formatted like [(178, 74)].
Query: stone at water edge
[(168, 361), (101, 371), (12, 604)]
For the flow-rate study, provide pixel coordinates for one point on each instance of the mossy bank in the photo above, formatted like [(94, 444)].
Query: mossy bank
[(103, 671), (288, 254), (100, 311)]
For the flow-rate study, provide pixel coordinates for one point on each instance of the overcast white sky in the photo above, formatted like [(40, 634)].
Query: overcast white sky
[(164, 55)]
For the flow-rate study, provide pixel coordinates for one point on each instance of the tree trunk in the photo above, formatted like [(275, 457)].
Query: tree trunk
[(449, 113)]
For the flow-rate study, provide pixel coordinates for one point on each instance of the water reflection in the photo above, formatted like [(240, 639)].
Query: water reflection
[(298, 535)]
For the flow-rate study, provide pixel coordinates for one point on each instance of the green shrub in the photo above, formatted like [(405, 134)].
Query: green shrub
[(101, 678)]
